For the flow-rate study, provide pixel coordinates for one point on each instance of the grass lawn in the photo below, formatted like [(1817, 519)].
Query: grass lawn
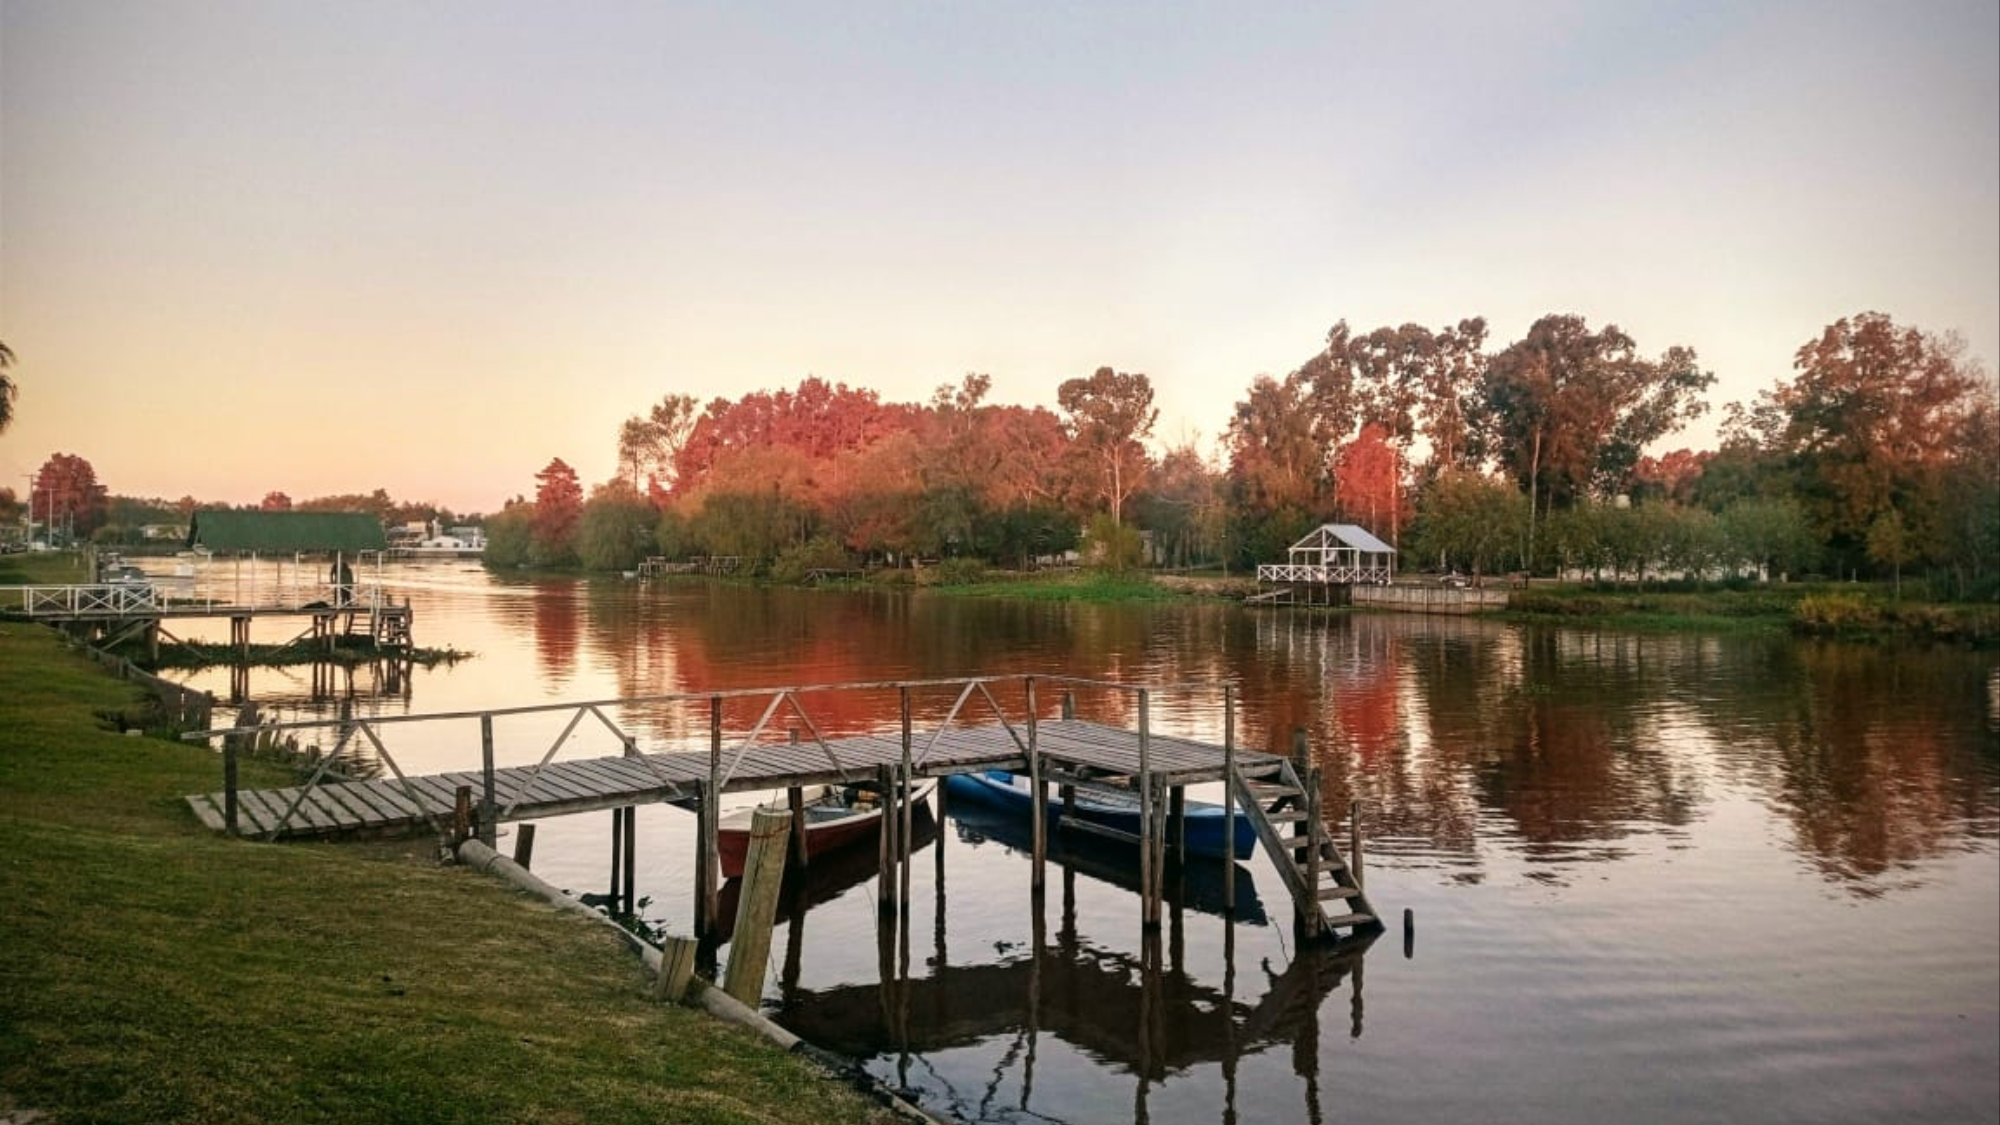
[(151, 971)]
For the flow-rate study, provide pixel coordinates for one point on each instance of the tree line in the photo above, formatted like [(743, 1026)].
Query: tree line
[(1878, 455)]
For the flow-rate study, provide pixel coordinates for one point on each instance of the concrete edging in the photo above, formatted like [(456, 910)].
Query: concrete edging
[(480, 857)]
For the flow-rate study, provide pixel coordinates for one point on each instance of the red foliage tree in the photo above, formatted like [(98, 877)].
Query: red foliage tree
[(65, 494), (275, 502), (558, 509)]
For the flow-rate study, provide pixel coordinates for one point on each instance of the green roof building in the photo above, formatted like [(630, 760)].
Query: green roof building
[(224, 531)]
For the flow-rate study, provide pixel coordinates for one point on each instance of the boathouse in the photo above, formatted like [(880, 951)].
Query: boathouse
[(226, 532), (1323, 567)]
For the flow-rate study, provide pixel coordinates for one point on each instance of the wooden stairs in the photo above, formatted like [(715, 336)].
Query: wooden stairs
[(1285, 809)]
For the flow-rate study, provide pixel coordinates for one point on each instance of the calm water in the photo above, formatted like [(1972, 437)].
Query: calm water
[(1680, 879)]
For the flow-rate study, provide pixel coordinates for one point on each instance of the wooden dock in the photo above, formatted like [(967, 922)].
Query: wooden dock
[(1278, 795), (109, 613)]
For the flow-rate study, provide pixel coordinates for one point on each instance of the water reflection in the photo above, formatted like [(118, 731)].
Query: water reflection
[(1142, 1013)]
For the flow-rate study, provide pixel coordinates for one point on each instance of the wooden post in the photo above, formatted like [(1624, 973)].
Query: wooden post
[(763, 875), (524, 845), (1038, 817), (1229, 799), (1068, 704), (677, 957), (795, 798), (229, 799), (631, 817), (885, 781), (1354, 840), (1149, 875), (487, 806), (1177, 822), (461, 816), (711, 822), (617, 858), (705, 863)]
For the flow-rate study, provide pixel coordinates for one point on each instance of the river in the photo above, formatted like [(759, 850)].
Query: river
[(1653, 878)]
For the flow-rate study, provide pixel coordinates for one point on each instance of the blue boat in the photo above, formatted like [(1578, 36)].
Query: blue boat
[(1208, 830)]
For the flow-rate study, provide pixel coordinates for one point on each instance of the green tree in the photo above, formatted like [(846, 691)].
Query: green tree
[(1889, 544), (510, 536), (1571, 410), (617, 529), (1772, 536), (1109, 414), (1468, 520)]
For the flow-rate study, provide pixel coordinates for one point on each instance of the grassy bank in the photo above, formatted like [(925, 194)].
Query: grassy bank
[(1847, 610), (154, 972)]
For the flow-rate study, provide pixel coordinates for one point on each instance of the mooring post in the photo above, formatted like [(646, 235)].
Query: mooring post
[(763, 875), (1149, 875), (885, 781), (677, 957), (905, 807), (711, 822), (795, 800), (617, 858), (229, 800), (524, 845), (704, 864), (461, 815), (631, 859), (488, 808), (1354, 840), (1068, 703), (1038, 817), (1229, 799)]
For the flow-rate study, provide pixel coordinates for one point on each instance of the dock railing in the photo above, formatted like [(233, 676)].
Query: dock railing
[(786, 714)]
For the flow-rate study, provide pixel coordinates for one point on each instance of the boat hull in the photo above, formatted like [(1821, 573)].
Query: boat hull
[(828, 829), (1209, 828)]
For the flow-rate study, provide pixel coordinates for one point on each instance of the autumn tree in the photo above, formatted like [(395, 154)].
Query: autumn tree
[(275, 502), (65, 494), (1279, 481), (1872, 422), (558, 510), (1368, 476), (1108, 415), (649, 444), (1571, 410)]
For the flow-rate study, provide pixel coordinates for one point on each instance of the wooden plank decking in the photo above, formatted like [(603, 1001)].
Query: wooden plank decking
[(389, 806)]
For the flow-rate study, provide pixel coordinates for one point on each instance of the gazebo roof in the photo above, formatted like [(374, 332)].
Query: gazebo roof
[(223, 529), (1343, 534)]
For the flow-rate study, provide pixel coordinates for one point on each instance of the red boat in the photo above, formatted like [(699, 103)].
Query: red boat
[(836, 816)]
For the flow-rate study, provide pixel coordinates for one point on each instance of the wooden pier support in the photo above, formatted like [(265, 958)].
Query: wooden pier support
[(757, 907)]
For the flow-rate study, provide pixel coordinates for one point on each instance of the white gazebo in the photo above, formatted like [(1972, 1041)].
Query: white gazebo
[(1334, 554)]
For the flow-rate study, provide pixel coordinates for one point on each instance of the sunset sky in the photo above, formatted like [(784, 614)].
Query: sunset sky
[(334, 247)]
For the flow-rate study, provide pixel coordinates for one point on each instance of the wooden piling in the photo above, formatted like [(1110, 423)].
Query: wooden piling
[(677, 957), (710, 854), (524, 845), (229, 799), (1354, 842), (461, 815), (1038, 821), (886, 898), (795, 800), (488, 808), (631, 822), (1229, 799), (1149, 828), (757, 908)]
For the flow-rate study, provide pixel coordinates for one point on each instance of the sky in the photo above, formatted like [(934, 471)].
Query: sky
[(326, 248)]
